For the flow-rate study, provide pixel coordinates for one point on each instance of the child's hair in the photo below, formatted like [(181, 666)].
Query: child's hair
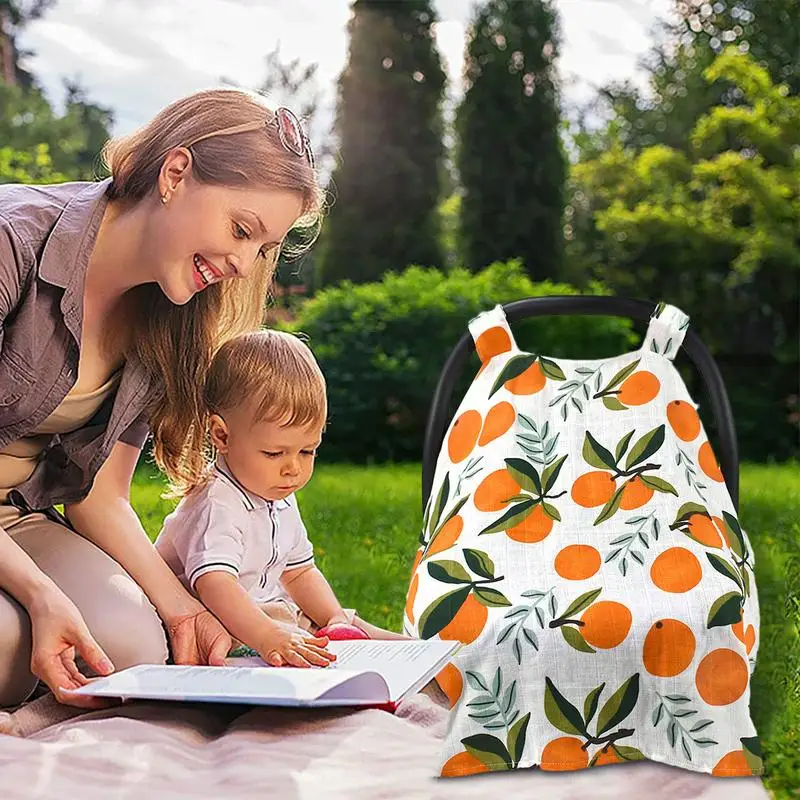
[(176, 343), (273, 372)]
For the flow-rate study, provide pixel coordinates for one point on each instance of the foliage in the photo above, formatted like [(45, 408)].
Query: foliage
[(386, 182), (714, 230), (383, 345), (509, 155)]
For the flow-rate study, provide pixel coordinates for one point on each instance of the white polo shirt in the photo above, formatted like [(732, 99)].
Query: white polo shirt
[(223, 526)]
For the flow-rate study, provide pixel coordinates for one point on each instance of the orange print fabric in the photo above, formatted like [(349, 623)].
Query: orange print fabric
[(581, 544)]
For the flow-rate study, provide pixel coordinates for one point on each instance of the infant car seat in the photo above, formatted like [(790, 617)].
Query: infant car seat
[(581, 541)]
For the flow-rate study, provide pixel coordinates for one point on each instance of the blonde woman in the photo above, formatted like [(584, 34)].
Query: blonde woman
[(114, 297)]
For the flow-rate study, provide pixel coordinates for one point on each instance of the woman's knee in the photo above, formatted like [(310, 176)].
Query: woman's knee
[(16, 680)]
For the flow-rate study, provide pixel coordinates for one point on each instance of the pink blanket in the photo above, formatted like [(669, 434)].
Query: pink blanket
[(167, 751)]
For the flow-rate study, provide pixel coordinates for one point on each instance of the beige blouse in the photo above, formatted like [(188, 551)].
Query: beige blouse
[(18, 459)]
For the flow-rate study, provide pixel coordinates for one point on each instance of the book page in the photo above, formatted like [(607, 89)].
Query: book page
[(405, 665), (246, 684)]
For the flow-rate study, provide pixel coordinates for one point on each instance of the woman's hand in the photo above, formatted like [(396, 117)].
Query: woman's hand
[(198, 637), (59, 633)]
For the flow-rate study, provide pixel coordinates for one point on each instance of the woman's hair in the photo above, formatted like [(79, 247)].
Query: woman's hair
[(176, 343), (274, 374)]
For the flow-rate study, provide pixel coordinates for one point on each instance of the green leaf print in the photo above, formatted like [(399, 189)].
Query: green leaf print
[(619, 705), (551, 511), (612, 404), (491, 597), (581, 603), (513, 369), (726, 569), (645, 447), (658, 484), (735, 535), (479, 562), (448, 572), (489, 750), (611, 507), (622, 446), (552, 370), (725, 610), (596, 455), (525, 474), (560, 712), (752, 753), (621, 375), (441, 612), (590, 704), (512, 517), (452, 513), (441, 501), (516, 737), (686, 511), (627, 753), (550, 475), (574, 638)]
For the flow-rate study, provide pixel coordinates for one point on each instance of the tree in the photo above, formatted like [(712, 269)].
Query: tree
[(15, 14), (714, 230), (678, 95), (510, 158), (386, 184)]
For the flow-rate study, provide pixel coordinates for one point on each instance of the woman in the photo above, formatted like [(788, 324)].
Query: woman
[(113, 297)]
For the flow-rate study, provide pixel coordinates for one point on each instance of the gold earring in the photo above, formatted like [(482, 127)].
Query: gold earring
[(164, 198)]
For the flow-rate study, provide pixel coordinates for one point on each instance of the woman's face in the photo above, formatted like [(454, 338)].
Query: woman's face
[(205, 234)]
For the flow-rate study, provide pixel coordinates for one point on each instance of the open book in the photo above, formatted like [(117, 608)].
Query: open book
[(366, 672)]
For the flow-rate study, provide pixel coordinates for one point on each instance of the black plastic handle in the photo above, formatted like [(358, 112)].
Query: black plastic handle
[(439, 418)]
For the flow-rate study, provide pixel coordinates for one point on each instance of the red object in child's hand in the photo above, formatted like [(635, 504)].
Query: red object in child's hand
[(335, 632)]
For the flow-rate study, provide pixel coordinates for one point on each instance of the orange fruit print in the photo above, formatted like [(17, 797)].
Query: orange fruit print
[(668, 648), (638, 389), (684, 420), (468, 622), (582, 548), (464, 436), (606, 624)]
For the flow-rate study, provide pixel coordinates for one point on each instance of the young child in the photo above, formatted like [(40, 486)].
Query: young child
[(236, 539)]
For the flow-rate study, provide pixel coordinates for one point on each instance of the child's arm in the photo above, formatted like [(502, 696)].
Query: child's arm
[(224, 596), (308, 588)]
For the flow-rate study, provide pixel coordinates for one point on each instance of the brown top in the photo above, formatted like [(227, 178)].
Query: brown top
[(46, 238), (18, 459)]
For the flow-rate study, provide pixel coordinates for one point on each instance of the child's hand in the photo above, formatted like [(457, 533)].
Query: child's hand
[(295, 648)]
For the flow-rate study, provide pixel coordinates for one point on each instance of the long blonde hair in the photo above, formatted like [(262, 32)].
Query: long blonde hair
[(176, 343), (274, 374)]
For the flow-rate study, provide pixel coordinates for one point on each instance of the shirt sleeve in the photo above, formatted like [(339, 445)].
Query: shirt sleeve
[(11, 268), (209, 541), (137, 432), (302, 551)]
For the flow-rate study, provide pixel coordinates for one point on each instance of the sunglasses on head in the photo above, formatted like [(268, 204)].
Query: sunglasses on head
[(290, 132)]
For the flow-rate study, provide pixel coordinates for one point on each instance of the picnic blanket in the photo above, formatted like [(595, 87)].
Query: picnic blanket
[(170, 751)]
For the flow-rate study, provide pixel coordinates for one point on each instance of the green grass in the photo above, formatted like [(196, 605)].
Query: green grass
[(364, 523)]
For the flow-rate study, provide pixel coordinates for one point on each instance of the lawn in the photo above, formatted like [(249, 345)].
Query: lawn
[(364, 523)]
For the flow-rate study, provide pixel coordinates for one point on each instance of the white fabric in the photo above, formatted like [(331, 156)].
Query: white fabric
[(606, 589), (222, 526)]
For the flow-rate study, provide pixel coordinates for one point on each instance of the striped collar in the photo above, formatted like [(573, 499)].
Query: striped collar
[(251, 501)]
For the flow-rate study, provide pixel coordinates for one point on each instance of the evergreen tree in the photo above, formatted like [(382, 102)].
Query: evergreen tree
[(385, 187), (510, 157)]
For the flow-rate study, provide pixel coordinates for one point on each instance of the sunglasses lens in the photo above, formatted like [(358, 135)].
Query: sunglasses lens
[(289, 128)]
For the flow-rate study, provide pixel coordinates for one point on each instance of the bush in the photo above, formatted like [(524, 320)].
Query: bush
[(383, 345)]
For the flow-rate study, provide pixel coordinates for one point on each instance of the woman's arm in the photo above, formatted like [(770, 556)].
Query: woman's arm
[(57, 628), (106, 518)]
